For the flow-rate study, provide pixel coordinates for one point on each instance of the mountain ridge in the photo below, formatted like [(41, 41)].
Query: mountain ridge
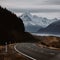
[(35, 22), (53, 28)]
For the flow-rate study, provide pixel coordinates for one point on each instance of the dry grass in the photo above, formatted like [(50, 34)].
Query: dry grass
[(51, 42), (11, 54)]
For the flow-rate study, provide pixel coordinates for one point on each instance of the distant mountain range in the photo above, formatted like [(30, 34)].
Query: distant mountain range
[(33, 23), (53, 28)]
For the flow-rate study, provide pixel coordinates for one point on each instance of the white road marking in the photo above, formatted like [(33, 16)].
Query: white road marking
[(23, 53)]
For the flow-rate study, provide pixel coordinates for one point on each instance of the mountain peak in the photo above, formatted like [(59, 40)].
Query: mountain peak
[(26, 15)]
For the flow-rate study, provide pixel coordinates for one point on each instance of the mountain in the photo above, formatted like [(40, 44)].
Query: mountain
[(53, 28), (33, 23), (26, 16), (30, 25), (32, 28)]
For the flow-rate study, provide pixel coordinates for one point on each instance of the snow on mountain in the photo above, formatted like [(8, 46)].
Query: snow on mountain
[(26, 16), (33, 22), (27, 19), (30, 25)]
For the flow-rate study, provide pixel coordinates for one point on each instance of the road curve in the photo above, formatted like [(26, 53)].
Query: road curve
[(34, 52)]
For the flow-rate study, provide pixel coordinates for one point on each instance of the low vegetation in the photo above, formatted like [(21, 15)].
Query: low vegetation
[(49, 41)]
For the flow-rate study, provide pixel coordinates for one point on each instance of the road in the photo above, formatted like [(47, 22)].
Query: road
[(35, 52)]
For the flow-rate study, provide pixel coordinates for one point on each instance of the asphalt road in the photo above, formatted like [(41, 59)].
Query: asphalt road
[(35, 52)]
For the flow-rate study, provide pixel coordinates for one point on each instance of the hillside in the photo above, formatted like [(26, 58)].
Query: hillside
[(48, 41), (9, 22), (53, 28)]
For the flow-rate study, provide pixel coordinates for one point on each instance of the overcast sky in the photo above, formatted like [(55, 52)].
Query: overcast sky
[(46, 6), (50, 4)]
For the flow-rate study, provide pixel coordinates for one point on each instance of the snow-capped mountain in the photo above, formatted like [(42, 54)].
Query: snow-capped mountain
[(33, 22), (27, 19), (30, 25), (26, 16)]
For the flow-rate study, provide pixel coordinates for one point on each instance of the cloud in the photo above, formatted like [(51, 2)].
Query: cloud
[(53, 2), (21, 3), (50, 4), (36, 10)]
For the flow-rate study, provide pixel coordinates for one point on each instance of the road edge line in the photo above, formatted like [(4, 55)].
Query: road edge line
[(23, 53)]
